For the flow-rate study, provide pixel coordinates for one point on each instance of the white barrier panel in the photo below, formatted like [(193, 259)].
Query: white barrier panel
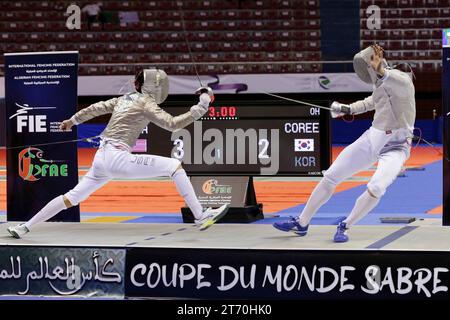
[(229, 83)]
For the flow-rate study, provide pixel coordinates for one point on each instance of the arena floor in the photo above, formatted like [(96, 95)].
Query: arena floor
[(420, 235), (417, 194)]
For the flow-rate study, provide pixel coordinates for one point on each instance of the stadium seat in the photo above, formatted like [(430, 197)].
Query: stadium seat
[(272, 30)]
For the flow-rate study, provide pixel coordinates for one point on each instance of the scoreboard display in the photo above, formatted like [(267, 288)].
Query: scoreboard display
[(246, 139)]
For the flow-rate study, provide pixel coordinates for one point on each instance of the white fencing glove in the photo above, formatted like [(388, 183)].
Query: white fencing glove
[(339, 109), (201, 108), (207, 90)]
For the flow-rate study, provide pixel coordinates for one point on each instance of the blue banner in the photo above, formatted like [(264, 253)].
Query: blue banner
[(446, 137), (40, 92)]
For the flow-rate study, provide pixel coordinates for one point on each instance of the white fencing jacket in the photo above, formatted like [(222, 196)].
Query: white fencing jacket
[(130, 115), (393, 102)]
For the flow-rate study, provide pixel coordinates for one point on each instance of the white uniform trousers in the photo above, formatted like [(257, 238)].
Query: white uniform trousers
[(113, 162), (390, 149)]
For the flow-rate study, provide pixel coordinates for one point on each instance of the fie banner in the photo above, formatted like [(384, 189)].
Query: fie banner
[(40, 92)]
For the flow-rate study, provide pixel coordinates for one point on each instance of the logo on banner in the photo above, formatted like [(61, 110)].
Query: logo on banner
[(237, 87), (33, 166), (304, 144), (32, 122), (324, 82), (213, 187)]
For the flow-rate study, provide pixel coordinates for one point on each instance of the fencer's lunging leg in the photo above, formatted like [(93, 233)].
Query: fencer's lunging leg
[(93, 180), (363, 205), (50, 210), (320, 195), (134, 166), (184, 187), (389, 166), (352, 159)]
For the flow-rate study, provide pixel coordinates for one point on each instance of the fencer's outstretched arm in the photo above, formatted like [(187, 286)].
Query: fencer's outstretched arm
[(340, 110), (94, 110), (166, 121), (362, 106)]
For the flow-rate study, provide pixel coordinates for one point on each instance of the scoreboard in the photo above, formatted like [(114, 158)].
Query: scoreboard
[(246, 139)]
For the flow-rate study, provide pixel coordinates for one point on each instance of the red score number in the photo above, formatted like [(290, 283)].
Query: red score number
[(224, 111)]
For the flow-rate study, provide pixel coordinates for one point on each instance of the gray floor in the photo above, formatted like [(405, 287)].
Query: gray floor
[(422, 235)]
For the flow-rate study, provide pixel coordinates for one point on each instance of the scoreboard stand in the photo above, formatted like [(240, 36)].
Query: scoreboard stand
[(237, 191)]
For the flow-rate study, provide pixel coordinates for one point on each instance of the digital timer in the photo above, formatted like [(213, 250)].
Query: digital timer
[(222, 111)]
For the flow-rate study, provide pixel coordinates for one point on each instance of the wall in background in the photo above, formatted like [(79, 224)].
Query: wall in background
[(347, 132), (2, 122), (339, 31)]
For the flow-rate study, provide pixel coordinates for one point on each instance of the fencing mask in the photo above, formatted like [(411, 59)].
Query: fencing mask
[(156, 84), (361, 64)]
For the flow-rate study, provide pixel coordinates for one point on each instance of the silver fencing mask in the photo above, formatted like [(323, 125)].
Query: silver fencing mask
[(361, 64), (156, 84)]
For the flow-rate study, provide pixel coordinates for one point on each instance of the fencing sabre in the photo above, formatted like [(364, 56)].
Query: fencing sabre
[(89, 139), (297, 101), (183, 25)]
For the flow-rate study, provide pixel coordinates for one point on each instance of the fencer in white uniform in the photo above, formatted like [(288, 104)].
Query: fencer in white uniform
[(130, 114), (387, 141)]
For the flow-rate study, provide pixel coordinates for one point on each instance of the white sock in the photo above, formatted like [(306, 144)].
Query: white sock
[(184, 187), (321, 194), (50, 210), (363, 205)]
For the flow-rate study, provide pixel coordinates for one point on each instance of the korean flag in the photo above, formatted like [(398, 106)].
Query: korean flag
[(304, 145)]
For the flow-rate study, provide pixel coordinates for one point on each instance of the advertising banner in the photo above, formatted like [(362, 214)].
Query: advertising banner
[(286, 274), (234, 83), (41, 92), (230, 83), (217, 191), (53, 271)]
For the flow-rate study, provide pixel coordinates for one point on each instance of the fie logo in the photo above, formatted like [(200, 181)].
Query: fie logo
[(30, 123)]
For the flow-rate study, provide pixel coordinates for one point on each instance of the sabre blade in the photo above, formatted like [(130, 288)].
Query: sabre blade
[(297, 101), (183, 25), (49, 143)]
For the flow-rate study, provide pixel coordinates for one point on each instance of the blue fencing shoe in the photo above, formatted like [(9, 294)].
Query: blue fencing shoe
[(341, 233), (291, 225)]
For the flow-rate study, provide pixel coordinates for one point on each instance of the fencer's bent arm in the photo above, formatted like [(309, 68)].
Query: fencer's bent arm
[(94, 110), (362, 106), (398, 82), (166, 121)]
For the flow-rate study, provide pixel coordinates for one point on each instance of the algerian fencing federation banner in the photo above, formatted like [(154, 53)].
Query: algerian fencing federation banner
[(40, 92)]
